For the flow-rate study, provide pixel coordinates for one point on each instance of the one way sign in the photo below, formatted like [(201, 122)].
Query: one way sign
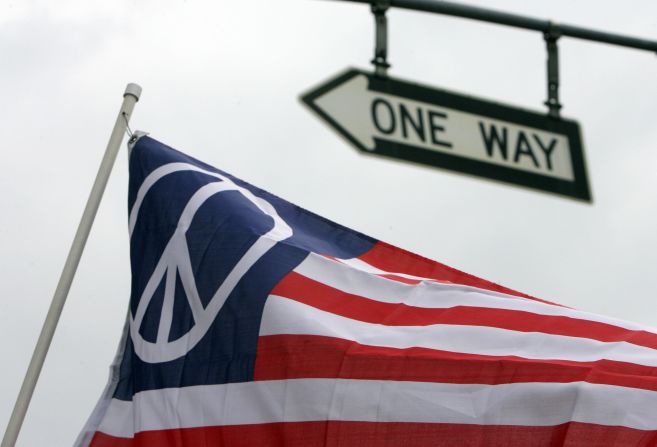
[(402, 120)]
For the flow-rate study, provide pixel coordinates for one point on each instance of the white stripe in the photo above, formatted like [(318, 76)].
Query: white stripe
[(120, 418), (359, 264), (298, 400), (286, 316), (433, 294)]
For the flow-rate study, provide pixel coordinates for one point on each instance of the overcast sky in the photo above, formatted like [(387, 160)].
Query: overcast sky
[(221, 82)]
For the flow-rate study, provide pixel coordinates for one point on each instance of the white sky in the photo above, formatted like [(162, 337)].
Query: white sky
[(221, 82)]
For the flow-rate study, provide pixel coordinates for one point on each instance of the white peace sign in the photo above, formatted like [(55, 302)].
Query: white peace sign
[(175, 259)]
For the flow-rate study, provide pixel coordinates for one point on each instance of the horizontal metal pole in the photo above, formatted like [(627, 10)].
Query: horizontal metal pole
[(518, 21)]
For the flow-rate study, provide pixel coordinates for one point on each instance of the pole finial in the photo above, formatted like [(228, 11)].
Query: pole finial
[(133, 90)]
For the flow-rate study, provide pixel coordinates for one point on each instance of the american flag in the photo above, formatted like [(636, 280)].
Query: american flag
[(254, 322)]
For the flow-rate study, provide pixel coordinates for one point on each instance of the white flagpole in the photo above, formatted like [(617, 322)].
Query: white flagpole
[(130, 98)]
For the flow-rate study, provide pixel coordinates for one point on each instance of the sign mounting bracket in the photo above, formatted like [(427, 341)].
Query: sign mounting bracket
[(380, 61), (551, 37)]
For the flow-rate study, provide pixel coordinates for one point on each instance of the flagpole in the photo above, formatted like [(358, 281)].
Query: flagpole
[(130, 98)]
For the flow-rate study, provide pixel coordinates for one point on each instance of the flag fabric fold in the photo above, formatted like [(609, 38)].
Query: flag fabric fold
[(254, 322)]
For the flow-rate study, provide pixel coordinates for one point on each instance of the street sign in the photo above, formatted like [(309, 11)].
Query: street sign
[(407, 121)]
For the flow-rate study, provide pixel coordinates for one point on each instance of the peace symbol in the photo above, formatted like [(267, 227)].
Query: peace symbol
[(175, 260)]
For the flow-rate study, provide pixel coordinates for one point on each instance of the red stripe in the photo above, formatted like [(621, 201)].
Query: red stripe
[(396, 260), (100, 439), (386, 434), (282, 357), (321, 296)]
